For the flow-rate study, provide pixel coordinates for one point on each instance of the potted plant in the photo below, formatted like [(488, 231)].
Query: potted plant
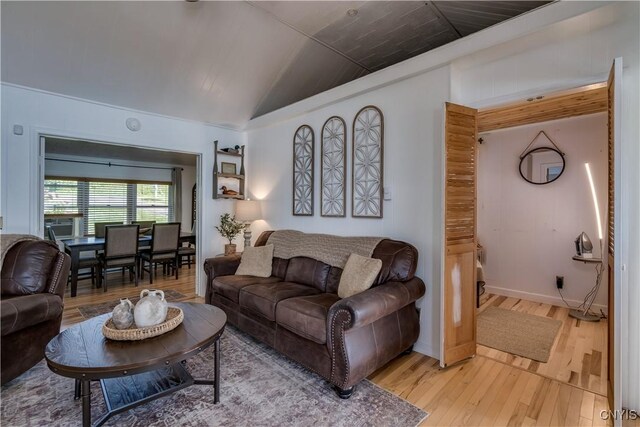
[(229, 228)]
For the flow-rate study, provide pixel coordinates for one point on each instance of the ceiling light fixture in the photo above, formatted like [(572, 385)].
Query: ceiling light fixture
[(352, 12)]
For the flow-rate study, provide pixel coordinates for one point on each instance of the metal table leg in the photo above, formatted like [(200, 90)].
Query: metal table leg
[(216, 386), (85, 390)]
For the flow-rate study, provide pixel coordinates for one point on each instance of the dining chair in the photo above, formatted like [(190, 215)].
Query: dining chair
[(186, 252), (165, 240), (99, 227), (87, 259), (120, 250)]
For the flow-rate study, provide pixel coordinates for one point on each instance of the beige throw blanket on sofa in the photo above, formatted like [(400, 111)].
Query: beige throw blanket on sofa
[(7, 241), (332, 250)]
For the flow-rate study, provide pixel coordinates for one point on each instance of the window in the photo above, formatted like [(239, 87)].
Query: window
[(106, 202), (60, 196), (152, 202), (101, 201)]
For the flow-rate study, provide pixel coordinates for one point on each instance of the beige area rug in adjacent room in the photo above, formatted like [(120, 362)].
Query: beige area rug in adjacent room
[(517, 333)]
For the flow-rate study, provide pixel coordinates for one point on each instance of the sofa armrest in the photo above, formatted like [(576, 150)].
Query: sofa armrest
[(368, 329), (376, 303), (59, 275), (219, 266)]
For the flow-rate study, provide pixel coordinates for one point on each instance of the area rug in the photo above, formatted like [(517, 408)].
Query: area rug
[(259, 388), (517, 333), (91, 310)]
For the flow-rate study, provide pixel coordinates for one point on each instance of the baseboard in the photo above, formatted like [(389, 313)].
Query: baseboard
[(546, 299)]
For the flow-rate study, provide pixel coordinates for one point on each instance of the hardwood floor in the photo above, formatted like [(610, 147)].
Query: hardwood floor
[(578, 356), (498, 388), (494, 388), (120, 287)]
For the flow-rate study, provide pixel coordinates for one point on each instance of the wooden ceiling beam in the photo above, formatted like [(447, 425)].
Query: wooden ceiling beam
[(578, 102)]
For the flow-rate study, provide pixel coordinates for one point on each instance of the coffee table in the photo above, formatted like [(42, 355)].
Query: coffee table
[(132, 373)]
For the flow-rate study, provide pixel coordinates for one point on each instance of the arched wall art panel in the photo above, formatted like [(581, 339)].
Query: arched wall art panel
[(303, 146), (367, 163), (333, 188)]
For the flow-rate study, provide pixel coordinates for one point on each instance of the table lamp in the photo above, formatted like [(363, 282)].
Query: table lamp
[(248, 211)]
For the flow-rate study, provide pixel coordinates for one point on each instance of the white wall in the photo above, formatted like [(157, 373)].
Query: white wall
[(86, 170), (412, 165), (528, 230), (40, 112)]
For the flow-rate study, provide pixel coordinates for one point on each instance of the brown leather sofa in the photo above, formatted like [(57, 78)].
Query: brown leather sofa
[(34, 275), (297, 311)]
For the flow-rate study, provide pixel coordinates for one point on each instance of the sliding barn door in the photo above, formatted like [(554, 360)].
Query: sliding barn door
[(459, 293), (613, 125)]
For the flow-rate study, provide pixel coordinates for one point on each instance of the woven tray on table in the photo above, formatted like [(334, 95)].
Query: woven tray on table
[(175, 316)]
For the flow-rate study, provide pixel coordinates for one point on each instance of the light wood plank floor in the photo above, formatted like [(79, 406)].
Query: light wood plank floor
[(493, 388), (578, 356), (497, 388)]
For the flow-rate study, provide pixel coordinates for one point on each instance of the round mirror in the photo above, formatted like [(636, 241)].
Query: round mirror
[(542, 165)]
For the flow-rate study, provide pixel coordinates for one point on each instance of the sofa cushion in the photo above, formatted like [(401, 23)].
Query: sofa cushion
[(26, 267), (21, 312), (308, 271), (358, 275), (333, 280), (230, 286), (279, 268), (306, 316), (263, 299), (256, 261)]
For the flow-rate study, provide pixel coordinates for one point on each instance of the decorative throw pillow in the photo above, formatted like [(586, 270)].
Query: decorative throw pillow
[(256, 261), (358, 275)]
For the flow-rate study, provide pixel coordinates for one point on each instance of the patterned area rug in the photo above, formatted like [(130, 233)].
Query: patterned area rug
[(92, 310), (259, 388)]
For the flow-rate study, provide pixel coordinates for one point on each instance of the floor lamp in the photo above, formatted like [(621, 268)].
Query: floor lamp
[(248, 211), (582, 311)]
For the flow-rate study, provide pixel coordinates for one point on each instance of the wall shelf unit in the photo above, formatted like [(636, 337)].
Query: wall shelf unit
[(228, 179)]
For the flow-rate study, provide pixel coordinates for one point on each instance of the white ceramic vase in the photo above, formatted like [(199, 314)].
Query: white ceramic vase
[(122, 315), (151, 309)]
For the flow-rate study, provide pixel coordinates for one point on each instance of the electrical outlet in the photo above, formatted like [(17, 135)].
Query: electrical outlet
[(560, 282)]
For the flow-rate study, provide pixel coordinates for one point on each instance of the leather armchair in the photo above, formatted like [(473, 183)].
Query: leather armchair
[(34, 276)]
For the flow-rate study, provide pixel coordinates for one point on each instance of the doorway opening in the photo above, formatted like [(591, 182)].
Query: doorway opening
[(88, 186), (460, 267)]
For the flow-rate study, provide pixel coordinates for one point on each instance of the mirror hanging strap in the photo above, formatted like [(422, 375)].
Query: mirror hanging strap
[(526, 150)]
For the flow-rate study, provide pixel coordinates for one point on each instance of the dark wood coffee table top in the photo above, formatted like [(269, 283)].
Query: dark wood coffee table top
[(82, 352)]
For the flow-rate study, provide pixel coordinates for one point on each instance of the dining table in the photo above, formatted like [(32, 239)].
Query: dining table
[(75, 245)]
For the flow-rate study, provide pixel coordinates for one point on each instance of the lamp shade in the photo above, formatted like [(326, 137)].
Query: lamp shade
[(248, 210)]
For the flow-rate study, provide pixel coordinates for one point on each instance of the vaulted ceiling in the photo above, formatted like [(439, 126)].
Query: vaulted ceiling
[(223, 62)]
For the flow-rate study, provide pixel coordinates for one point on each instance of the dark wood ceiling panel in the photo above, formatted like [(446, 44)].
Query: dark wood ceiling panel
[(471, 16), (384, 33)]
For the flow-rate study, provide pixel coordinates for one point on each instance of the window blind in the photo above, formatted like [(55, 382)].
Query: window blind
[(112, 201), (60, 196)]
